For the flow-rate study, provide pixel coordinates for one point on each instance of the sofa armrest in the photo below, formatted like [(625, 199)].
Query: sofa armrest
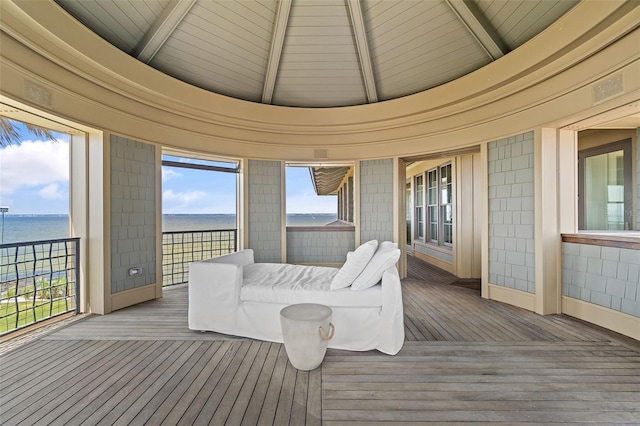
[(392, 311), (214, 290), (241, 258)]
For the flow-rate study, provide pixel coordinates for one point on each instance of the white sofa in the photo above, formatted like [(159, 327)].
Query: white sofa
[(233, 295)]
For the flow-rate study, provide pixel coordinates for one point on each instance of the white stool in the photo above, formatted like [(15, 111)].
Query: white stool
[(304, 335)]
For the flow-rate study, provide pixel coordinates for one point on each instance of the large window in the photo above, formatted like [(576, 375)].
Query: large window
[(605, 188), (446, 207), (434, 205), (439, 205), (408, 210), (419, 207), (303, 204)]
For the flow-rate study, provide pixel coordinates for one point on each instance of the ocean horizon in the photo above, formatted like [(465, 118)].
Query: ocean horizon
[(36, 227)]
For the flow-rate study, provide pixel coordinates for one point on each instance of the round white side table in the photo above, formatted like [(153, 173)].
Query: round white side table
[(306, 331)]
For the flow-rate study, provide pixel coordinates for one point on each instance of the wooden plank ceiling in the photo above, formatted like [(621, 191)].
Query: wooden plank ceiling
[(317, 53)]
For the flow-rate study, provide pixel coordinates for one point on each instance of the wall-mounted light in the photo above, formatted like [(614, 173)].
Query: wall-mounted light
[(135, 271)]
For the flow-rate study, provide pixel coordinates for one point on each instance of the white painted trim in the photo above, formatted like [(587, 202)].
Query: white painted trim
[(283, 212), (608, 318), (99, 206), (568, 181), (158, 194), (484, 209), (399, 213), (243, 205), (275, 51), (360, 35), (480, 29), (446, 266), (356, 202), (79, 208), (518, 298), (162, 28), (476, 271), (134, 296)]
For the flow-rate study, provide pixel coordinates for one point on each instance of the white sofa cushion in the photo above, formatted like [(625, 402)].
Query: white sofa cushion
[(385, 257), (287, 284), (354, 265)]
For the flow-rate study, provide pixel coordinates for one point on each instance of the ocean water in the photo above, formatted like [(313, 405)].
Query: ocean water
[(22, 228)]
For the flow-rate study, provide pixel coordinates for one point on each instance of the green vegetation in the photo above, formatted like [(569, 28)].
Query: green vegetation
[(30, 313), (19, 308)]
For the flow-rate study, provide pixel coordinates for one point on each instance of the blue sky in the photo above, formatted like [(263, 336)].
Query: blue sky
[(34, 179)]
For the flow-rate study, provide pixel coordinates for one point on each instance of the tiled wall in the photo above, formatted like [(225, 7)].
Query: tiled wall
[(265, 210), (605, 276), (319, 246), (133, 213), (376, 200), (512, 212)]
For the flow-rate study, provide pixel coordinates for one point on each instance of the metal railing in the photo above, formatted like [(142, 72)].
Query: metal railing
[(38, 280), (179, 248)]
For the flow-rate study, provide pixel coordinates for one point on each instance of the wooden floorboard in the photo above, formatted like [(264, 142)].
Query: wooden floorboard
[(465, 360)]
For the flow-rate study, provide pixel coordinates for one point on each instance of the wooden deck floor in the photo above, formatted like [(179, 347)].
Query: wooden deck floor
[(465, 360)]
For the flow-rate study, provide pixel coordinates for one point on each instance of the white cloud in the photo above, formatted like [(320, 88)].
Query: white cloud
[(168, 174), (189, 202), (183, 197), (33, 163), (52, 192)]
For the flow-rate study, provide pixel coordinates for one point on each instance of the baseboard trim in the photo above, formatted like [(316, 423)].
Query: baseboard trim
[(599, 315), (132, 297), (446, 266), (518, 298)]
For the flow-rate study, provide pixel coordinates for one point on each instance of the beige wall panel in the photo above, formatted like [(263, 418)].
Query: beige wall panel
[(467, 229), (547, 222)]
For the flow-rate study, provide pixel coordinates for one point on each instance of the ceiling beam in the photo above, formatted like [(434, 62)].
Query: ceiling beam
[(277, 41), (360, 34), (162, 28), (480, 28)]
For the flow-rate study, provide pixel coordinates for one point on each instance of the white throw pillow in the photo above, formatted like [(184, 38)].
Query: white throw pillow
[(385, 257), (354, 265), (387, 244)]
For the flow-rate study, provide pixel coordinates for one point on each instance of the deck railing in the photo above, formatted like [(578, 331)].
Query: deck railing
[(179, 248), (38, 280)]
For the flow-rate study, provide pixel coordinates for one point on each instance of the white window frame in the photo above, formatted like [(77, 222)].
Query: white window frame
[(436, 205)]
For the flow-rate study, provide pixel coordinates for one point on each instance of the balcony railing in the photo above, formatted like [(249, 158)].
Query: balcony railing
[(38, 280), (179, 248)]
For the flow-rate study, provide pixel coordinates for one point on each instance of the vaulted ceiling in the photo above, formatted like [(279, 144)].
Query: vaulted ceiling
[(317, 53)]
